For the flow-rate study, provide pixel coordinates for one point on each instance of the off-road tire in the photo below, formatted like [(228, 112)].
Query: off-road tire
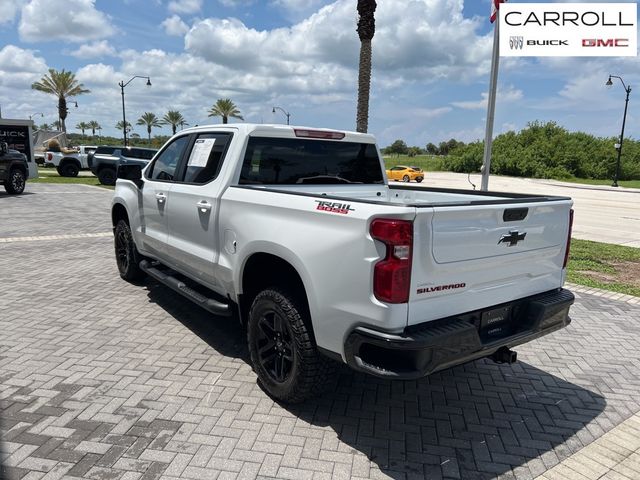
[(107, 176), (310, 372), (406, 179), (68, 169), (15, 182), (127, 256)]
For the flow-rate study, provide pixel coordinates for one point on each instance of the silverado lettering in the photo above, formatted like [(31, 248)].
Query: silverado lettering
[(440, 288)]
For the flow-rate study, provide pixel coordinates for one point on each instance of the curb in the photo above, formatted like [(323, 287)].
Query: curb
[(598, 292)]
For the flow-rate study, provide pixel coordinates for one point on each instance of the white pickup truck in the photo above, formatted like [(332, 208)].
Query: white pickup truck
[(297, 232), (69, 163)]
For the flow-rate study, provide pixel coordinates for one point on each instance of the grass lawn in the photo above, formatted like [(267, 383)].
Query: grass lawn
[(603, 265), (591, 181), (49, 175)]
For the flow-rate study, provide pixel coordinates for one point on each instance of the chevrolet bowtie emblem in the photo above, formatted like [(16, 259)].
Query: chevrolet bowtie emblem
[(512, 238)]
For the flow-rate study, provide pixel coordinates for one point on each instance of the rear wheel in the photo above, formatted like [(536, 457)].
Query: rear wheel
[(68, 169), (16, 182), (283, 352), (419, 179), (406, 178), (107, 176), (127, 256)]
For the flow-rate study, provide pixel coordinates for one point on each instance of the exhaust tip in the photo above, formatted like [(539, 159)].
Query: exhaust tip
[(504, 355)]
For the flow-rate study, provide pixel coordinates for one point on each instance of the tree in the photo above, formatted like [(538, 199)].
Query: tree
[(366, 30), (57, 124), (45, 126), (225, 108), (93, 125), (63, 85), (432, 149), (399, 147), (119, 126), (413, 151), (83, 126), (149, 120), (173, 118)]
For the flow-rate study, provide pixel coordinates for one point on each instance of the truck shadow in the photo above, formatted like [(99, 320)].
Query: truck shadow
[(478, 420)]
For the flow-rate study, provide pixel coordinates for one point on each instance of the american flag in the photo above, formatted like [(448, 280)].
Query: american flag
[(495, 5)]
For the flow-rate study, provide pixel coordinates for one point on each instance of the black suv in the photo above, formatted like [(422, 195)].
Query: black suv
[(14, 169), (105, 160)]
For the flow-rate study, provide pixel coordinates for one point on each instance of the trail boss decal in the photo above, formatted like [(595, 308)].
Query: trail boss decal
[(333, 207), (440, 288)]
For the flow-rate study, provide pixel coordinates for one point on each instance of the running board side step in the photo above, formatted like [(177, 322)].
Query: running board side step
[(210, 304)]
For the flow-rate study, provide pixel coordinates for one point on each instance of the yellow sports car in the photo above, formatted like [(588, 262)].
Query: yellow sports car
[(404, 173)]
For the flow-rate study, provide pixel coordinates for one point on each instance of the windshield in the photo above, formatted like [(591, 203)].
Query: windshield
[(288, 161)]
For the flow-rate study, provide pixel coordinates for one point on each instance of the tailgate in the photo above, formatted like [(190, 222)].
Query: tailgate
[(475, 256)]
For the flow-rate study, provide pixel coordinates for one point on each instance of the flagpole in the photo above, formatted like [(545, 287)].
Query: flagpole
[(491, 106)]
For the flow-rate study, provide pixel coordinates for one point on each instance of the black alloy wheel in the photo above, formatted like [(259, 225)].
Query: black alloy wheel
[(275, 346)]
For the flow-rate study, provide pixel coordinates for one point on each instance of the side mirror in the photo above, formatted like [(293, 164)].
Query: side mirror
[(131, 172)]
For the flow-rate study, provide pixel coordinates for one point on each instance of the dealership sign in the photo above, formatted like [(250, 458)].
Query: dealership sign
[(568, 30)]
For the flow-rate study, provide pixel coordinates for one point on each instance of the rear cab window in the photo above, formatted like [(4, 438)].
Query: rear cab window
[(295, 161)]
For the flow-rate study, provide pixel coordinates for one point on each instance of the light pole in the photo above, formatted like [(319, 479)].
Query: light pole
[(283, 111), (34, 114), (624, 119), (124, 120)]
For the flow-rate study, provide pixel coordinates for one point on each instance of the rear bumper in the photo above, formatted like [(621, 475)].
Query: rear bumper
[(432, 346)]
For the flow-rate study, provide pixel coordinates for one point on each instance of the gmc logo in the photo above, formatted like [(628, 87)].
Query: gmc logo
[(609, 42)]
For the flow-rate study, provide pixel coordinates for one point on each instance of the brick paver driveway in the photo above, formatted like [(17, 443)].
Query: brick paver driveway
[(102, 379)]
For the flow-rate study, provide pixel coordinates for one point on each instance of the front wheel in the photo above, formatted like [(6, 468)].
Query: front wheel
[(16, 182), (406, 179), (107, 176), (283, 352), (127, 256)]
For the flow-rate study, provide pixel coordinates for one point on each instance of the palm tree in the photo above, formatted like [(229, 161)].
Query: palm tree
[(225, 108), (366, 30), (150, 120), (61, 84), (173, 118), (93, 125), (45, 126), (83, 126), (57, 124), (119, 125)]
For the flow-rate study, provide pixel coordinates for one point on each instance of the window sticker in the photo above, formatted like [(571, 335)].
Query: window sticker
[(201, 151)]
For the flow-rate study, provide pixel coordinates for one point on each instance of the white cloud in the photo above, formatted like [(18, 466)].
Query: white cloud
[(19, 68), (174, 26), (185, 6), (9, 9), (65, 20), (510, 94), (97, 49)]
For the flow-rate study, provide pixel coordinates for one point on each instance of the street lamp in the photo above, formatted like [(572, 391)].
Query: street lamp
[(283, 111), (624, 119), (34, 114), (124, 120)]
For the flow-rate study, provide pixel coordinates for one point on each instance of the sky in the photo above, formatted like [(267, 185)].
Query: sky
[(431, 62)]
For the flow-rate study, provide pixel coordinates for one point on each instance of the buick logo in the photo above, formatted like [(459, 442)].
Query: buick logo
[(512, 238), (516, 43)]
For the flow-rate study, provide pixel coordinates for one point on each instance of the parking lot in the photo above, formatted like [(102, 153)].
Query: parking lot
[(102, 379)]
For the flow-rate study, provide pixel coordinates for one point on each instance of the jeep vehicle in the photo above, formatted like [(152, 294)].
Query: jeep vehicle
[(105, 161), (298, 232), (14, 169)]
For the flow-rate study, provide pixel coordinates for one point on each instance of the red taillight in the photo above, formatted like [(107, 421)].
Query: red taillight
[(392, 276), (49, 156), (319, 134), (566, 252)]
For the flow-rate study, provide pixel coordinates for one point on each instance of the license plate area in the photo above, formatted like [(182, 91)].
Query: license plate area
[(496, 323)]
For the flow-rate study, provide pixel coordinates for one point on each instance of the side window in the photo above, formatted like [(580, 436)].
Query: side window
[(164, 168), (206, 157)]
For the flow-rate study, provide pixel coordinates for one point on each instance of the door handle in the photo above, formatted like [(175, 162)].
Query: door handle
[(203, 206), (161, 197)]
